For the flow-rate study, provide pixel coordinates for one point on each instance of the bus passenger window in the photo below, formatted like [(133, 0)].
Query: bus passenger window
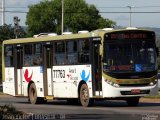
[(28, 55), (37, 55), (72, 57), (9, 56), (59, 53), (84, 51)]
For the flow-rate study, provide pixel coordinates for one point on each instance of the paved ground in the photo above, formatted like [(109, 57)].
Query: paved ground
[(148, 109)]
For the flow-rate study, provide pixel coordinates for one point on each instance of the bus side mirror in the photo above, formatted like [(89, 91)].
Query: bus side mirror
[(157, 51)]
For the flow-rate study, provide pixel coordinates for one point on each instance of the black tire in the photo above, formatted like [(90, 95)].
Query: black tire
[(133, 101), (33, 95), (84, 96)]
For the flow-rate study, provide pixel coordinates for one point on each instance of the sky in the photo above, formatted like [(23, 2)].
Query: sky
[(144, 13)]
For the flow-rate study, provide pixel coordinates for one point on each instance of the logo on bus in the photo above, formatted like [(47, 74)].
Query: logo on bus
[(84, 76), (26, 76)]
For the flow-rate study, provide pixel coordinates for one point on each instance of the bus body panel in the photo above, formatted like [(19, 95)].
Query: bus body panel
[(9, 88), (115, 92), (20, 82), (34, 74), (9, 83), (66, 80), (50, 81)]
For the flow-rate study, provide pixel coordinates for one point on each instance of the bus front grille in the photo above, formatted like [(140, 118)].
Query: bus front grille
[(134, 93)]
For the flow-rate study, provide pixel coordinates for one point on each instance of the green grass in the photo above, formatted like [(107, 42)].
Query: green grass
[(9, 111)]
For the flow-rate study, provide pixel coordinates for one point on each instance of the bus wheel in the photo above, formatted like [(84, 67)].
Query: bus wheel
[(84, 96), (133, 101), (32, 94)]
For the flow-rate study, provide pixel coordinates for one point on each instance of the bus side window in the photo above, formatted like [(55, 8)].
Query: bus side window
[(84, 51), (59, 53), (72, 57), (9, 56), (28, 55), (37, 54)]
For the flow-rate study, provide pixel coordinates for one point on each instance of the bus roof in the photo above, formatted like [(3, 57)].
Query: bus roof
[(95, 33), (47, 38)]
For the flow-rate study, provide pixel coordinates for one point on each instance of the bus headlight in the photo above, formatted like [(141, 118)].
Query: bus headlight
[(153, 83), (112, 83), (115, 85)]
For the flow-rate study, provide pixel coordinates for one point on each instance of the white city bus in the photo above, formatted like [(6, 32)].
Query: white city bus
[(98, 65)]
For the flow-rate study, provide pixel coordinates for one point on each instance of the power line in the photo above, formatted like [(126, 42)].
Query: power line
[(96, 7), (129, 12), (139, 12), (134, 7), (119, 12), (15, 7), (147, 6), (14, 11)]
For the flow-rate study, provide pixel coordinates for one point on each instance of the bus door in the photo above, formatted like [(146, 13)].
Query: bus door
[(97, 73), (19, 88), (47, 74)]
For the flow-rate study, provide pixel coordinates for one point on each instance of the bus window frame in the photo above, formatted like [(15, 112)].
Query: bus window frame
[(80, 53), (13, 57), (40, 62), (59, 53), (29, 56), (77, 52), (72, 52)]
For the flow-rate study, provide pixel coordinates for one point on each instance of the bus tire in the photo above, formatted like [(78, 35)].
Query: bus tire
[(33, 95), (133, 101), (85, 100)]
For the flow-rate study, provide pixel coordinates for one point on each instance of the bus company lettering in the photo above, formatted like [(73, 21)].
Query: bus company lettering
[(59, 73), (70, 77), (73, 78), (72, 70), (71, 74)]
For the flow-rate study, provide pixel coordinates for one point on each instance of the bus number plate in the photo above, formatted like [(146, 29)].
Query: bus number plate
[(135, 91)]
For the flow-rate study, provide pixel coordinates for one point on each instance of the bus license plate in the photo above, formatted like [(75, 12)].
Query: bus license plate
[(135, 91)]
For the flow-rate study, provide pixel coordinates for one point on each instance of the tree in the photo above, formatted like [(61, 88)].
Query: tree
[(78, 15), (6, 32)]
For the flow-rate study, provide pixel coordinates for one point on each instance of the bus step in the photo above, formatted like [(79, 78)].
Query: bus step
[(49, 97)]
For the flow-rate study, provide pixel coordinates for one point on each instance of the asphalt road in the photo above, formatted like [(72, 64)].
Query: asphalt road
[(104, 110)]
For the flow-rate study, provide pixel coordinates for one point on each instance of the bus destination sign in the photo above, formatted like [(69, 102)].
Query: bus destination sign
[(129, 35)]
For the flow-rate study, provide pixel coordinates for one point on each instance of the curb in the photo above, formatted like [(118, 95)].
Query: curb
[(150, 100)]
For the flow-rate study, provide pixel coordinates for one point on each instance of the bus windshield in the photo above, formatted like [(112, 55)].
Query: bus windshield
[(130, 56)]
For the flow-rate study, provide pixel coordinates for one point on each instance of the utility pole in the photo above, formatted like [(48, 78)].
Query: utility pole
[(3, 12), (62, 17), (130, 17)]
